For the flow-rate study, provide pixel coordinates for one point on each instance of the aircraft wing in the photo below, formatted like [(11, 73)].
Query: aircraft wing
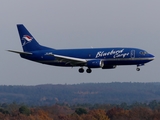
[(69, 60)]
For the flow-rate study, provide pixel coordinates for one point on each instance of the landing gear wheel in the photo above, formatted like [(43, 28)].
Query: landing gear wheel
[(88, 70), (81, 70), (138, 69)]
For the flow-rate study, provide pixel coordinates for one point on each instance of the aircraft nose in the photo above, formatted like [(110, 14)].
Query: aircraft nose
[(151, 56)]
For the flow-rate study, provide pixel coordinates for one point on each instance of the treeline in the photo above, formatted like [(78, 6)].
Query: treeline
[(111, 93), (123, 111)]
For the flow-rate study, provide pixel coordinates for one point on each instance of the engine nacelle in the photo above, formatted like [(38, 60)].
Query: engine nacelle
[(95, 64), (109, 67)]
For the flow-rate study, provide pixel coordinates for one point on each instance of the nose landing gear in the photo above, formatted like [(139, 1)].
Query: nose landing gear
[(138, 69)]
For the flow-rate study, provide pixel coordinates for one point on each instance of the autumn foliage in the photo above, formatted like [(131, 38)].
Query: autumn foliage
[(136, 111)]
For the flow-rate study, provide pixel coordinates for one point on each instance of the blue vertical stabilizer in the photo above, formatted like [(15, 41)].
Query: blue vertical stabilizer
[(28, 41)]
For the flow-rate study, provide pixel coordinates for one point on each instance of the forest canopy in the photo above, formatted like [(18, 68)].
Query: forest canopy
[(101, 93)]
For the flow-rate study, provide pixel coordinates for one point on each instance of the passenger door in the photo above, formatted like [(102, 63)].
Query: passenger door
[(132, 53)]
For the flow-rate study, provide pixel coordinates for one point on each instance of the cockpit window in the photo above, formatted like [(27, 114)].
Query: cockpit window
[(143, 52)]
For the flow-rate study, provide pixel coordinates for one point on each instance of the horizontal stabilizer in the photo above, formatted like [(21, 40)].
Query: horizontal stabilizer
[(18, 52)]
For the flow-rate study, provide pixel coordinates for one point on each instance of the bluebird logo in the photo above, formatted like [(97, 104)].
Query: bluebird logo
[(26, 39)]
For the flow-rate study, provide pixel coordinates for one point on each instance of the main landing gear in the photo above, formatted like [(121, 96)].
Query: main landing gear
[(81, 70), (88, 70)]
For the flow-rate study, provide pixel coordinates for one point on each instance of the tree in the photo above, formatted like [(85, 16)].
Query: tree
[(153, 104), (24, 110), (81, 111), (99, 114), (142, 113)]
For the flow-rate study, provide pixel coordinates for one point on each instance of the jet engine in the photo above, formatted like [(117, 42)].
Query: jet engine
[(95, 64), (109, 67)]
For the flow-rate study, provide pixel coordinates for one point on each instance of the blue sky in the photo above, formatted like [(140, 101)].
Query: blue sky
[(79, 24)]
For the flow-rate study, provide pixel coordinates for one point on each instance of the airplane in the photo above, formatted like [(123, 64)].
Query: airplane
[(105, 58)]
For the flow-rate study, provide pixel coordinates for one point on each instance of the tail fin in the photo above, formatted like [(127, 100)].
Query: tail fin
[(28, 41)]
